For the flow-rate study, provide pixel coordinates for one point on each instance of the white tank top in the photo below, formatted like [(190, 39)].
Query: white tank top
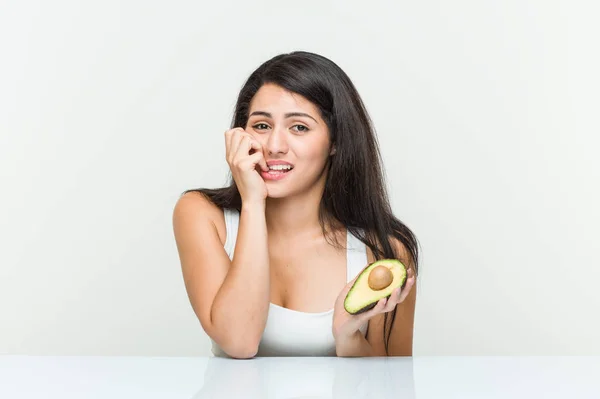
[(290, 332)]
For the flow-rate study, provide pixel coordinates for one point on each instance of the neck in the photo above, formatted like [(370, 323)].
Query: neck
[(293, 216), (297, 215)]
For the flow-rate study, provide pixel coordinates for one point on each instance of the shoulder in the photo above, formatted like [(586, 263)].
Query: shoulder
[(193, 211)]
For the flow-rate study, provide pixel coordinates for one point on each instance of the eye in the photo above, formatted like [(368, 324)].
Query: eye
[(301, 128), (261, 126)]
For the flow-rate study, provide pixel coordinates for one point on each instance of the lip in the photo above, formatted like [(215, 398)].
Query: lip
[(276, 162), (277, 176), (274, 177)]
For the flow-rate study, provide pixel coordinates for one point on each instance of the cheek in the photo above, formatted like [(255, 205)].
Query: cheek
[(314, 157), (322, 154), (315, 150)]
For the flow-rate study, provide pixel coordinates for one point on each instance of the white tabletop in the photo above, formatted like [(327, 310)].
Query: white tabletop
[(195, 378)]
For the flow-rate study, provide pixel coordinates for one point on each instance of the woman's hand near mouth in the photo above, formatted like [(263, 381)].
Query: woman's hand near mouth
[(245, 158)]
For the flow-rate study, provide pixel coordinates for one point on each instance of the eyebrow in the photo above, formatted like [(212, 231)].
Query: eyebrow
[(288, 115)]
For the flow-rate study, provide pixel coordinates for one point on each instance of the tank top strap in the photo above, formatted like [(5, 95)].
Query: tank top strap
[(232, 222), (357, 256)]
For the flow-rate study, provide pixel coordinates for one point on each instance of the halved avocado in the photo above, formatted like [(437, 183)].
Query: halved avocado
[(376, 281)]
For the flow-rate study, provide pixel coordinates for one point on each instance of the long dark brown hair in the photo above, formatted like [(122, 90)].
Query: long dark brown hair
[(355, 191)]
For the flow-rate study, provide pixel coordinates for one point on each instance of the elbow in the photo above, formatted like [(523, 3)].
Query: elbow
[(244, 353), (241, 350), (238, 345), (241, 346)]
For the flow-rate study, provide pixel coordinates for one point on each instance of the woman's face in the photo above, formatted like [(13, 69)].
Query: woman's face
[(290, 129)]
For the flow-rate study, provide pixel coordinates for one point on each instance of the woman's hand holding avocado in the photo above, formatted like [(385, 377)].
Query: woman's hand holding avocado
[(346, 325)]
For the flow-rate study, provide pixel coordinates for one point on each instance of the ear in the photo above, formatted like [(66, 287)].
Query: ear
[(333, 150)]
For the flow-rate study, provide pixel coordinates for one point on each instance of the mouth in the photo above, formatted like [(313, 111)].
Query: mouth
[(276, 172)]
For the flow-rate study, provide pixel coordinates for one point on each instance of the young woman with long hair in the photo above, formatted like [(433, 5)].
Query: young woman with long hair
[(268, 260)]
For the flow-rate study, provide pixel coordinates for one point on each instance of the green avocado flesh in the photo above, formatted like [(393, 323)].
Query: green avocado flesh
[(362, 297)]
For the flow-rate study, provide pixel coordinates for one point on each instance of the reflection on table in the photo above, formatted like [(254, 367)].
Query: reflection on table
[(308, 378)]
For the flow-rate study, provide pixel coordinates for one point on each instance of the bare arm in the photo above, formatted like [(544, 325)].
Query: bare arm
[(230, 298)]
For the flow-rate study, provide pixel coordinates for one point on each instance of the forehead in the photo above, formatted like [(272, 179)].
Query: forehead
[(274, 99)]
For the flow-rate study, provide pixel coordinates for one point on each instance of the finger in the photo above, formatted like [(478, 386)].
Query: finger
[(255, 145), (393, 300), (243, 146), (230, 144), (251, 162), (237, 137), (407, 288), (375, 311), (243, 135), (243, 149), (229, 138)]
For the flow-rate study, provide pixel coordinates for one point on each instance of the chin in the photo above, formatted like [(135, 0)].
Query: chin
[(276, 193), (277, 190)]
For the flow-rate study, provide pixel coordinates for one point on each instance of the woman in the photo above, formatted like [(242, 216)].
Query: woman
[(268, 260)]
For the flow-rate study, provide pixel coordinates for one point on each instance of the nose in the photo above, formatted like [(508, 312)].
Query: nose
[(277, 142)]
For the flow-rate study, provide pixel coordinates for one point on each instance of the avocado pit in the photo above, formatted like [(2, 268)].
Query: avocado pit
[(380, 278)]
